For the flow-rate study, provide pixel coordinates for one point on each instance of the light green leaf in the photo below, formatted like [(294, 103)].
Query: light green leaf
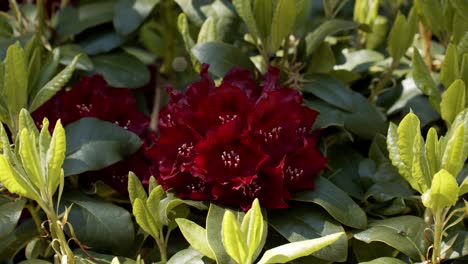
[(183, 26), (208, 31), (186, 256), (244, 9), (398, 44), (214, 223), (283, 22), (253, 228), (453, 101), (153, 204), (14, 182), (10, 213), (424, 82), (443, 191), (56, 157), (233, 239), (450, 70), (196, 236), (135, 188), (44, 141), (26, 121), (464, 68), (221, 57), (330, 27), (15, 87), (152, 184), (291, 251), (432, 151), (54, 85), (463, 187), (384, 260), (30, 159), (453, 157), (144, 218), (336, 202)]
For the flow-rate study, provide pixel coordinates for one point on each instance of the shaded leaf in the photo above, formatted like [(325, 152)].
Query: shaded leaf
[(330, 27), (10, 212)]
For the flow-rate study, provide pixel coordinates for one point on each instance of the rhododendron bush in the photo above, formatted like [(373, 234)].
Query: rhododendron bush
[(243, 131)]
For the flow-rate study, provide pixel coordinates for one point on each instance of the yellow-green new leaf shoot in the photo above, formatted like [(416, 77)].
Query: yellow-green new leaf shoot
[(135, 188), (15, 87), (450, 70), (432, 151), (453, 101), (16, 183), (291, 251), (253, 227), (144, 218), (233, 238), (153, 204), (196, 236), (56, 157), (443, 191), (26, 121), (31, 160), (453, 157), (463, 187)]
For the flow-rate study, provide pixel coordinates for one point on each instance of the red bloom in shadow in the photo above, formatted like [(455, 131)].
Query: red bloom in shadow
[(237, 141)]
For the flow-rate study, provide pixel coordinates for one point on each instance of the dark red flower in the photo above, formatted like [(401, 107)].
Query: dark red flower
[(237, 141), (93, 97)]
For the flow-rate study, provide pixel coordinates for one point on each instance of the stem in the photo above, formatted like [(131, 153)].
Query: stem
[(156, 106), (383, 81), (160, 241), (57, 233), (439, 217), (426, 35)]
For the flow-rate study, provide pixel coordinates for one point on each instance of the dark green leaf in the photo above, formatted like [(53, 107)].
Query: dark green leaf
[(101, 41), (283, 22), (68, 53), (331, 91), (96, 222), (10, 212), (18, 239), (336, 202), (129, 14), (93, 144), (221, 57), (122, 70), (424, 81), (304, 223), (404, 233)]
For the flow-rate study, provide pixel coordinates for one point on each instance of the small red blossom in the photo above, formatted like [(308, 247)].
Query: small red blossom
[(237, 141), (93, 97)]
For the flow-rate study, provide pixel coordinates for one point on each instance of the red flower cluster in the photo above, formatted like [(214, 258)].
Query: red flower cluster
[(237, 141), (93, 97)]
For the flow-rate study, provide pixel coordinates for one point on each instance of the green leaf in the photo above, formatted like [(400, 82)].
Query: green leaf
[(263, 10), (56, 157), (95, 223), (135, 188), (464, 68), (186, 256), (196, 236), (93, 144), (424, 82), (463, 187), (433, 151), (26, 122), (207, 31), (305, 222), (54, 85), (401, 35), (291, 251), (244, 9), (129, 14), (359, 60), (15, 182), (144, 218), (329, 27), (233, 239), (121, 70), (30, 159), (404, 233), (15, 241), (35, 261), (443, 191), (331, 91), (152, 184), (453, 157), (182, 25), (323, 61), (453, 101), (214, 222), (384, 260), (450, 68), (221, 57), (153, 204), (283, 22), (253, 228), (102, 41), (336, 202), (15, 87), (68, 53), (10, 212)]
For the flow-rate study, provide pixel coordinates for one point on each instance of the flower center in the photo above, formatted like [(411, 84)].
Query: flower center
[(230, 159), (125, 126), (294, 174), (301, 130), (185, 149), (197, 187), (226, 118), (170, 122), (271, 135), (83, 108), (250, 189)]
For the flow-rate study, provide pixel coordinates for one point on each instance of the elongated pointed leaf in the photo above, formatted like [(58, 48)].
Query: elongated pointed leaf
[(152, 184), (291, 251), (214, 222), (15, 87), (263, 10), (196, 236), (443, 192), (432, 151), (453, 101), (463, 187), (153, 204), (30, 159), (233, 238), (450, 70), (135, 188), (283, 22), (187, 256), (401, 35), (14, 182), (207, 31), (453, 157), (244, 9), (56, 157), (253, 227), (26, 121), (144, 219), (54, 85), (44, 142), (424, 82)]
